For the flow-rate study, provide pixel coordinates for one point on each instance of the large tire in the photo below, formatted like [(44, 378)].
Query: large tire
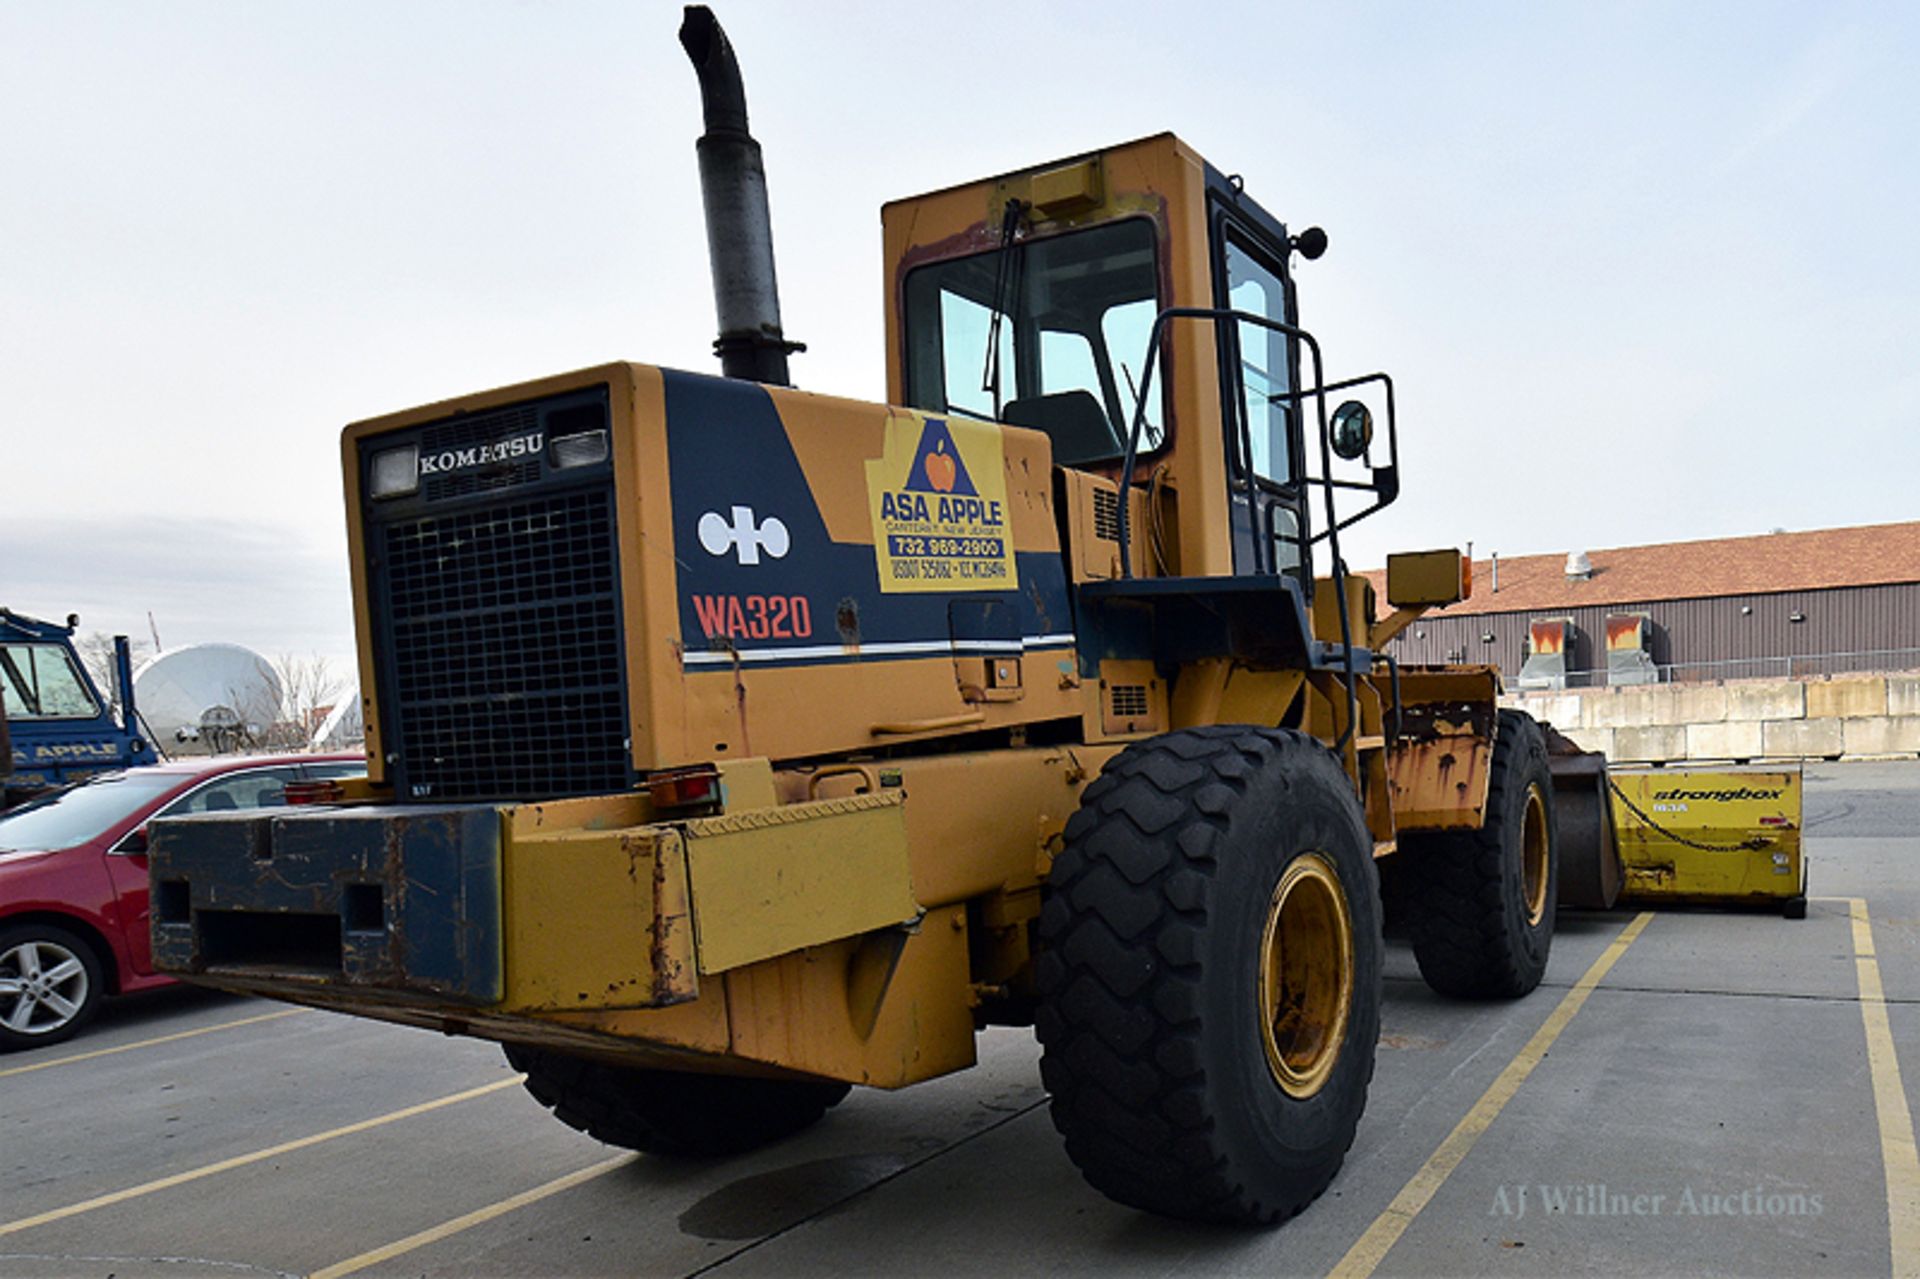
[(1480, 903), (671, 1112), (1194, 1071), (51, 984)]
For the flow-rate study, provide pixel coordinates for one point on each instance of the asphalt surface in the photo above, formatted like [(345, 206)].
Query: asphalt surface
[(1709, 1106)]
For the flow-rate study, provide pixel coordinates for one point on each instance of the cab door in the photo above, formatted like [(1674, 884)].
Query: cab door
[(1259, 371)]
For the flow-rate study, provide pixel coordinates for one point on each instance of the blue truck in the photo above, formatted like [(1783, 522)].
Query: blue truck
[(55, 727)]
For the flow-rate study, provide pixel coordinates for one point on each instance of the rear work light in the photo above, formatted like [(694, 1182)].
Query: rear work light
[(396, 472), (581, 449)]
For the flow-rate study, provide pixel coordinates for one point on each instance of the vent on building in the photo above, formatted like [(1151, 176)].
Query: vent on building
[(1579, 566)]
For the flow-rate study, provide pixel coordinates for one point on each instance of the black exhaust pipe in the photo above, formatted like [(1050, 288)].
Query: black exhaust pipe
[(733, 185)]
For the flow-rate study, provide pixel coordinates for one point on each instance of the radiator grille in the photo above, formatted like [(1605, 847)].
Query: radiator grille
[(482, 428), (506, 650), (1106, 514)]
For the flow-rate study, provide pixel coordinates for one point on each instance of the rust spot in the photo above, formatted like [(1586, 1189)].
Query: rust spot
[(1653, 874), (846, 619), (657, 942), (740, 698), (1040, 606)]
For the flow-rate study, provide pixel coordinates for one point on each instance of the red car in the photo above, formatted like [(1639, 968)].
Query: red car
[(73, 881)]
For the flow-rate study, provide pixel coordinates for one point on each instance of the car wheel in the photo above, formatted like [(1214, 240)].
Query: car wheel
[(50, 984)]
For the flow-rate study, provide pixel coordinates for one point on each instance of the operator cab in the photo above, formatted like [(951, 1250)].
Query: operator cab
[(1032, 300)]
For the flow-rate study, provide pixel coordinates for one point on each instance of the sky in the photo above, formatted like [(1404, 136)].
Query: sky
[(1641, 272)]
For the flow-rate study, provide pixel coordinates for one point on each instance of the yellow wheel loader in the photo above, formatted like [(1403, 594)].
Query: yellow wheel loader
[(730, 745)]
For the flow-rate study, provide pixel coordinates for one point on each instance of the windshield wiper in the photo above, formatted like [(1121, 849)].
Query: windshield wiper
[(1006, 294)]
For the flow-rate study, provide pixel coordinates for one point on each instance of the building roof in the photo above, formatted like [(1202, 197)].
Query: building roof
[(1870, 555)]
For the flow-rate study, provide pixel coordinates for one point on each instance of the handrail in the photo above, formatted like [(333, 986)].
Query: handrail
[(1241, 429), (901, 728)]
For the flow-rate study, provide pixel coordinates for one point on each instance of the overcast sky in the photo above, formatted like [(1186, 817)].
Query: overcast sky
[(1642, 272)]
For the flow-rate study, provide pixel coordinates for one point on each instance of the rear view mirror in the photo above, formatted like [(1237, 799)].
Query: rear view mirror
[(1351, 430)]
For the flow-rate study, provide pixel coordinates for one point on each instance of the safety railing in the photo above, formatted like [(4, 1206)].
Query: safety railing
[(1872, 661)]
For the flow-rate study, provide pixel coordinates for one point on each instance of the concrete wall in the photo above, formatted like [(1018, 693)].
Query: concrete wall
[(1837, 717)]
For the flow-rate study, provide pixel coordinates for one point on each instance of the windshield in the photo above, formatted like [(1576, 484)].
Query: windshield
[(1066, 319), (82, 813)]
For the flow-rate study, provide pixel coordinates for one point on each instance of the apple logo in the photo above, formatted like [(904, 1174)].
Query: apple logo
[(941, 470)]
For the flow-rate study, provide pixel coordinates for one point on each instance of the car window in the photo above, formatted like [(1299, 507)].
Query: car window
[(338, 768), (254, 788), (83, 812)]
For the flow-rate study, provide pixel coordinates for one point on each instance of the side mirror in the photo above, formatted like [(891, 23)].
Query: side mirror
[(1351, 430)]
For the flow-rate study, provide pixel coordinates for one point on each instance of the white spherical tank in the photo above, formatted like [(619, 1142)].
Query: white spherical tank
[(207, 689)]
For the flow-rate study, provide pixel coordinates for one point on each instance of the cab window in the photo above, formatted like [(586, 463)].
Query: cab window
[(1265, 360), (40, 681), (1067, 319)]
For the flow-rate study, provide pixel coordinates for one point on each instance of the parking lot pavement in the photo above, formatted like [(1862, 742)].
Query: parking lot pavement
[(1694, 1091)]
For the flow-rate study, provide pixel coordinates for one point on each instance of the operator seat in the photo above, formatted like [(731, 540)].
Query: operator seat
[(1074, 420)]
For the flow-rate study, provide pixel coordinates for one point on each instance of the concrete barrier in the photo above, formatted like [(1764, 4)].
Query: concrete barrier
[(1836, 717)]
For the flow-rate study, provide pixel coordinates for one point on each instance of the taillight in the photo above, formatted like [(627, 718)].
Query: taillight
[(677, 790)]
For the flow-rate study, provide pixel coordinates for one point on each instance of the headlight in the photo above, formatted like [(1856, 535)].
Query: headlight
[(582, 449), (396, 472)]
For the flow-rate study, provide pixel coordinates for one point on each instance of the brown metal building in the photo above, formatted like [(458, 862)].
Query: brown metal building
[(1845, 599)]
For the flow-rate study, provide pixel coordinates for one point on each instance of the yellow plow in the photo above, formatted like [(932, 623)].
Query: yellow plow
[(1715, 836)]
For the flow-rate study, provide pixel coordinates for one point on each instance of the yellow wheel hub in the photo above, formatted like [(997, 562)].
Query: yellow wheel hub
[(1306, 975), (1533, 855)]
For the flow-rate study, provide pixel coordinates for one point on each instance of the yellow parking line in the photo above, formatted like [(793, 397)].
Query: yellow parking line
[(241, 1161), (399, 1247), (1372, 1247), (147, 1043), (1897, 1152)]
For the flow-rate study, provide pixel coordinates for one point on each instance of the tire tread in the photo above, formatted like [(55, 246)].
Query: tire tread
[(1456, 885), (668, 1112), (1122, 977)]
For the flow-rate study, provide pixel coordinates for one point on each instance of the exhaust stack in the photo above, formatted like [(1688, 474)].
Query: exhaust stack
[(733, 186)]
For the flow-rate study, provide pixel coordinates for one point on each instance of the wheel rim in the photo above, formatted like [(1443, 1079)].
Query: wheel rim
[(43, 987), (1306, 975), (1533, 855)]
